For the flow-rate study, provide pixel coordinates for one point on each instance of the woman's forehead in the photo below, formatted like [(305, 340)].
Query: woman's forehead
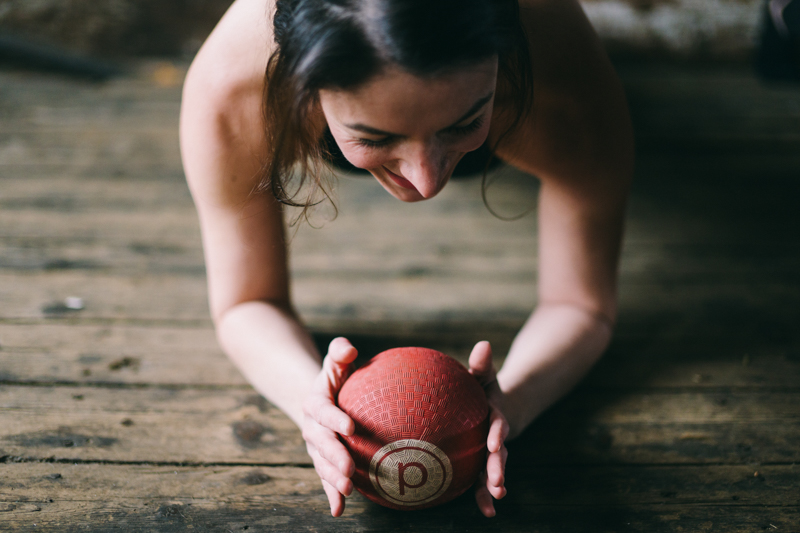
[(396, 100)]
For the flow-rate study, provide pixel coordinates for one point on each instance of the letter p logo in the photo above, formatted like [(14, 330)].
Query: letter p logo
[(410, 472), (418, 473)]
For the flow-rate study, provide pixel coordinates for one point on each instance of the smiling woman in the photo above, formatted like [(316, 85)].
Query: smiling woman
[(405, 89), (410, 145), (371, 60)]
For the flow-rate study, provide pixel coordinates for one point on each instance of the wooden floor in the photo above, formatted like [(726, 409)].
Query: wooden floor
[(125, 415)]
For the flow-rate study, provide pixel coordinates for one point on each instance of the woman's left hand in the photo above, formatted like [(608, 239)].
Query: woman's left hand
[(491, 483)]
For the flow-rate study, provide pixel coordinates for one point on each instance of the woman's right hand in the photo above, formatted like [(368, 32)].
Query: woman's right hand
[(322, 420)]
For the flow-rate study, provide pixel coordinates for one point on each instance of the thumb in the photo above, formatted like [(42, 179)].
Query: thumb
[(341, 355), (480, 362)]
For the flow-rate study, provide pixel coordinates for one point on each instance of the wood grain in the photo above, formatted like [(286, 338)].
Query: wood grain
[(689, 422), (54, 496), (677, 357), (192, 425)]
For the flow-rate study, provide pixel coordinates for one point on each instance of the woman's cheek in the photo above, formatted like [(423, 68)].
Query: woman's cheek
[(363, 157), (472, 143)]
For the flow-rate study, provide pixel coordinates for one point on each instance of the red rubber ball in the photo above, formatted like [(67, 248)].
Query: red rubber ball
[(421, 426)]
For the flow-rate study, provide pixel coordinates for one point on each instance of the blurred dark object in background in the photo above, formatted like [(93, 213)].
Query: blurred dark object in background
[(21, 52), (115, 28), (778, 56), (682, 30)]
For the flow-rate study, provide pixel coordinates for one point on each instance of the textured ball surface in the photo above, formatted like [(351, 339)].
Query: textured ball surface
[(421, 426)]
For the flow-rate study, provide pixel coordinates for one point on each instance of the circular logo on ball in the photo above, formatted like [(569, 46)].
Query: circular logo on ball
[(410, 472)]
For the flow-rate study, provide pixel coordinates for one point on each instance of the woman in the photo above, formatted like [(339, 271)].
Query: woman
[(406, 88)]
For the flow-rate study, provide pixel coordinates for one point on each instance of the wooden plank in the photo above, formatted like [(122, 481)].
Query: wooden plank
[(151, 355), (672, 485), (715, 105), (166, 298), (29, 108), (361, 198), (87, 144), (160, 248), (140, 171), (114, 354), (735, 361), (147, 424), (131, 497), (167, 240), (172, 298), (179, 227), (215, 426), (87, 354), (744, 226), (590, 429), (405, 302), (36, 95), (67, 195), (714, 201)]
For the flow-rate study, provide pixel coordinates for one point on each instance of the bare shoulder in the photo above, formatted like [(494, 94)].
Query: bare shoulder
[(241, 42), (223, 149), (221, 108), (579, 122)]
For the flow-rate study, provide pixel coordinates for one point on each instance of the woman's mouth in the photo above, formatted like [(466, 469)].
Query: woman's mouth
[(401, 181)]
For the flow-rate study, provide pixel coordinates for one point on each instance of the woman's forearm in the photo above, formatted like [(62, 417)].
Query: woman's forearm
[(273, 351), (552, 352)]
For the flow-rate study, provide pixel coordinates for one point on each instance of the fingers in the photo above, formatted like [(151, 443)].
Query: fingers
[(331, 475), (490, 485), (321, 409), (495, 473), (329, 447), (336, 485), (341, 352), (332, 462), (335, 499), (496, 462), (480, 363), (498, 431), (323, 420), (484, 498), (320, 404), (336, 367)]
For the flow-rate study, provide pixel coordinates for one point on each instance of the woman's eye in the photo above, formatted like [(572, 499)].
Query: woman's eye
[(475, 125), (458, 131), (370, 143)]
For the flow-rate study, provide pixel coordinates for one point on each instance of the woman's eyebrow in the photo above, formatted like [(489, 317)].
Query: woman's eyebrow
[(375, 131)]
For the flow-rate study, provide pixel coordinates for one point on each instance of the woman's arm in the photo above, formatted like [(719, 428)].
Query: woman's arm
[(578, 140), (223, 147), (222, 143)]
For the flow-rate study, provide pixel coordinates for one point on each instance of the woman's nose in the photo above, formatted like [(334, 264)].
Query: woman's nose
[(425, 166)]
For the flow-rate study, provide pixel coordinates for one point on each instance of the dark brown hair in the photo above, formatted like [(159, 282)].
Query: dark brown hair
[(341, 44)]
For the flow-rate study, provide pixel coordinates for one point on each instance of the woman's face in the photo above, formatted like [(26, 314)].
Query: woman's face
[(410, 132)]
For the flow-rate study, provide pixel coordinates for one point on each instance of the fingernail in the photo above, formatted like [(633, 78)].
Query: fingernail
[(343, 427)]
